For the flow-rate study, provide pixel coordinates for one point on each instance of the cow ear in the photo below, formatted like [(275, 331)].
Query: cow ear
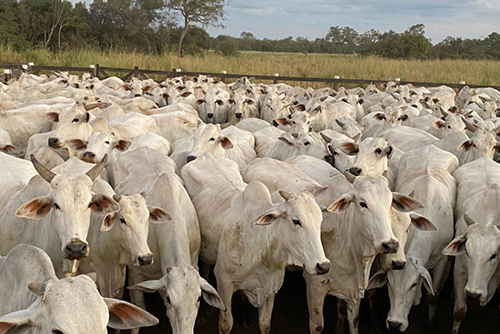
[(12, 150), (422, 223), (19, 322), (185, 94), (200, 102), (52, 117), (497, 147), (405, 203), (389, 151), (426, 278), (103, 204), (286, 140), (122, 145), (349, 148), (465, 146), (127, 87), (77, 144), (439, 124), (378, 280), (225, 142), (148, 286), (268, 217), (158, 215), (210, 295), (325, 137), (123, 315), (379, 116), (341, 204), (37, 288), (36, 209), (281, 121), (108, 222), (456, 246)]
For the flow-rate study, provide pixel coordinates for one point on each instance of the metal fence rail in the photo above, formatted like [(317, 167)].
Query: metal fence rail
[(14, 71)]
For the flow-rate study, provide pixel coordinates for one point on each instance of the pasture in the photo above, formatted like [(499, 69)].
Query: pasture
[(484, 72)]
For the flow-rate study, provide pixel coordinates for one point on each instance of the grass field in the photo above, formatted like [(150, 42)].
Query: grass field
[(286, 64)]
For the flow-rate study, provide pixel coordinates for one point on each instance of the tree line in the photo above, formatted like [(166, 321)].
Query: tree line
[(153, 26)]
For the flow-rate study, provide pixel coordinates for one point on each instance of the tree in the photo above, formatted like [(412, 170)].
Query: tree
[(205, 12)]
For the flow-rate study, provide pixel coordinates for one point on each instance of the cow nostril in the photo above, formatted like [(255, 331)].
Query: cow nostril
[(75, 251), (145, 260), (53, 142), (398, 265), (89, 154), (473, 295), (210, 115), (356, 171), (322, 268), (137, 95), (190, 158), (394, 325)]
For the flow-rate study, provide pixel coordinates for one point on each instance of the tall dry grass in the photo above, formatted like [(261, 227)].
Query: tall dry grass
[(483, 72)]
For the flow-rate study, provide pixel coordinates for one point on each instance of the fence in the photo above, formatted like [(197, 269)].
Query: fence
[(101, 72)]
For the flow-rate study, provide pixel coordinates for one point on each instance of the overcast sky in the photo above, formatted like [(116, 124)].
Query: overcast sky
[(277, 19)]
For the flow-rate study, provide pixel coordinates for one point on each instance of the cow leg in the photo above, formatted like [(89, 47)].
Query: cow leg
[(265, 314), (226, 320), (136, 296), (459, 282), (374, 313), (353, 317), (341, 314), (315, 301), (439, 274)]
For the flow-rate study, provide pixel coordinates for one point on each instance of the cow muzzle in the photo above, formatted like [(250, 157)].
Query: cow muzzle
[(398, 265), (89, 157), (54, 142), (356, 171), (76, 250), (238, 115), (394, 325), (144, 260), (322, 268)]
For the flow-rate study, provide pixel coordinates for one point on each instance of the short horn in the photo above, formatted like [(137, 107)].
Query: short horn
[(117, 197), (44, 172), (97, 169)]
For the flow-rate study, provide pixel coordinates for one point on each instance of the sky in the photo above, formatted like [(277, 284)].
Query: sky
[(277, 19)]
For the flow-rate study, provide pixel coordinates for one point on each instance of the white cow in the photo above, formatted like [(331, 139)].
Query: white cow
[(175, 244), (120, 239), (228, 209), (476, 275), (352, 239), (36, 301), (240, 107), (214, 107), (426, 173), (61, 202)]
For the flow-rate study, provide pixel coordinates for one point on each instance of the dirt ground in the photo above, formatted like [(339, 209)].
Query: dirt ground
[(290, 314)]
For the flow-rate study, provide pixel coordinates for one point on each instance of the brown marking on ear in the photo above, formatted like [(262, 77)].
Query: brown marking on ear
[(52, 117), (405, 203), (77, 144), (300, 107), (185, 94), (281, 121), (349, 148), (127, 87), (157, 214), (226, 143), (102, 204), (123, 145), (465, 146), (200, 102), (379, 116), (37, 208), (438, 124), (108, 222)]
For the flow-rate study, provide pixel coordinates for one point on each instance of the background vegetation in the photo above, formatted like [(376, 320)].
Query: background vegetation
[(146, 33)]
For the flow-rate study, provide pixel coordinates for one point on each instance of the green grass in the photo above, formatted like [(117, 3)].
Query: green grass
[(482, 72)]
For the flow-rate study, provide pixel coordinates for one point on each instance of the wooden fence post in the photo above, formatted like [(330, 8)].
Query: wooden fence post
[(96, 70)]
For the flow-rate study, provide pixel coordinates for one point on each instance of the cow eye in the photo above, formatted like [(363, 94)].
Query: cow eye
[(307, 143), (297, 222), (493, 256), (122, 220), (75, 120), (413, 285), (212, 139), (199, 299), (55, 331), (56, 206), (335, 153), (363, 205), (106, 142), (399, 118), (378, 151), (90, 204), (169, 301), (293, 122)]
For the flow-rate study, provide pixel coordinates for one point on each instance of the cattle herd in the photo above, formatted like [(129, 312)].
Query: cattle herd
[(105, 182)]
